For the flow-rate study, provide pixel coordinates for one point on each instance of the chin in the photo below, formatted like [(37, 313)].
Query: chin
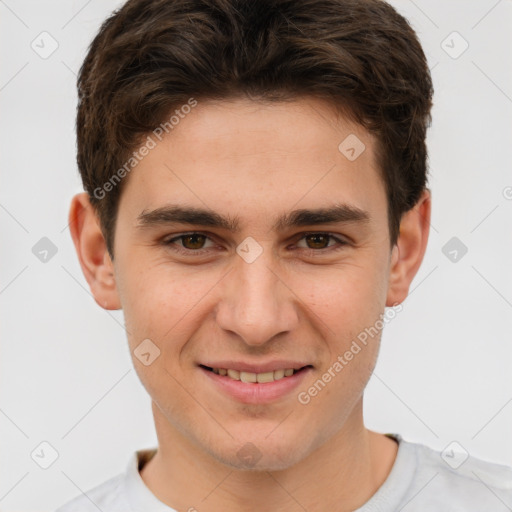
[(260, 454)]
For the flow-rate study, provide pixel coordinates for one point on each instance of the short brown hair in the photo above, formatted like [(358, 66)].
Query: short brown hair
[(151, 56)]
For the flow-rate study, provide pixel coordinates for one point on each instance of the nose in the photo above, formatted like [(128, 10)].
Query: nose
[(256, 303)]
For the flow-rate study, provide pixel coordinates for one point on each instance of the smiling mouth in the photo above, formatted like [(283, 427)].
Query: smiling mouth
[(256, 378)]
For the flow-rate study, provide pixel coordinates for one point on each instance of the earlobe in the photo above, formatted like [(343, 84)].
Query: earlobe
[(92, 252), (409, 250)]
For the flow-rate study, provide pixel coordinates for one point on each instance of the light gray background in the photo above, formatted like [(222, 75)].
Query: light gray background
[(66, 376)]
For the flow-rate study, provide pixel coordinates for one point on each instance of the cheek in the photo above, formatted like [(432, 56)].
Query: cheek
[(159, 305), (348, 304), (346, 298)]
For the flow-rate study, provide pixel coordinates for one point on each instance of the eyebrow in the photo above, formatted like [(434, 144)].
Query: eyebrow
[(176, 214)]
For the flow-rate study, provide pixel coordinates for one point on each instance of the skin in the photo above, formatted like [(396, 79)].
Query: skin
[(256, 161)]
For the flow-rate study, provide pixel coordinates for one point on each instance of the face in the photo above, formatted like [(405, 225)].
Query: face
[(268, 290)]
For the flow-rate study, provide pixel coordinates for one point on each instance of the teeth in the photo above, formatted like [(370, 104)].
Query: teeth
[(247, 377), (234, 374), (279, 374), (265, 377), (254, 377)]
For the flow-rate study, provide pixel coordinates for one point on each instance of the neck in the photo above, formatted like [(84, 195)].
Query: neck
[(342, 474)]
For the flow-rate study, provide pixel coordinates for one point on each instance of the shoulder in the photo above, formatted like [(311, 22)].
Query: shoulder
[(108, 496), (454, 478), (125, 491)]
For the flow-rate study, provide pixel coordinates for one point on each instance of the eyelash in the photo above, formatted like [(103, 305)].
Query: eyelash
[(199, 252)]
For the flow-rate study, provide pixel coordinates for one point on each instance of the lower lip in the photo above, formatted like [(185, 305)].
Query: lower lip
[(257, 393)]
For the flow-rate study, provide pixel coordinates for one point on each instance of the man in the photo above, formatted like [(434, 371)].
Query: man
[(256, 196)]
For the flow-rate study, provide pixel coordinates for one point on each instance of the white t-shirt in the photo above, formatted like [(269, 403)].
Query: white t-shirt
[(420, 480)]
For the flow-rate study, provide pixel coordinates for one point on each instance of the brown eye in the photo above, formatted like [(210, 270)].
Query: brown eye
[(193, 241), (321, 241), (189, 243), (318, 240)]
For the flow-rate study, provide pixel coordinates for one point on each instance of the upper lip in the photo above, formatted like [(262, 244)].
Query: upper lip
[(242, 366)]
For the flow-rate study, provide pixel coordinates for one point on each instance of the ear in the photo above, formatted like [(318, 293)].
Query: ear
[(409, 250), (92, 252)]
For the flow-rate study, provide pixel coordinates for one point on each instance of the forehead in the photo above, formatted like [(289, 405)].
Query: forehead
[(243, 156)]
